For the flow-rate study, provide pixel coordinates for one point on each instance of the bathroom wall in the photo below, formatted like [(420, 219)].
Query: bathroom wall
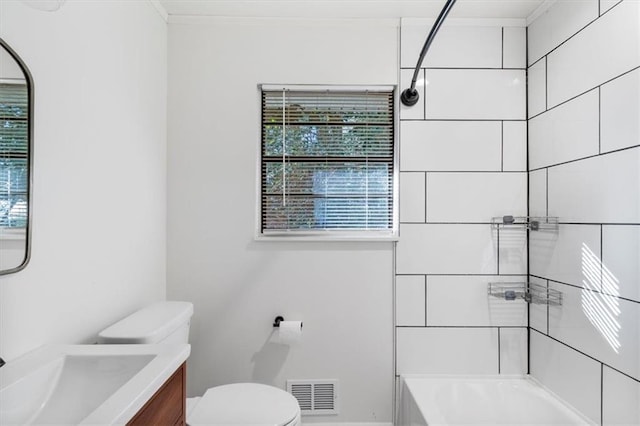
[(99, 193), (343, 291), (462, 162), (584, 162)]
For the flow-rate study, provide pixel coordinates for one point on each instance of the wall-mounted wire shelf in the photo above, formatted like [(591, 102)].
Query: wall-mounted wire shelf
[(529, 292), (546, 223)]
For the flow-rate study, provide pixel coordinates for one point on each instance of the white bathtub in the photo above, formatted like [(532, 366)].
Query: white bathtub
[(481, 400)]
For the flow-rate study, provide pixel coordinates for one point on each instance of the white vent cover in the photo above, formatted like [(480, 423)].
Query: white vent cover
[(316, 397)]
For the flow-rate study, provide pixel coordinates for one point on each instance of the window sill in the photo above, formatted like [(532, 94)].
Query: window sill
[(331, 236), (13, 233)]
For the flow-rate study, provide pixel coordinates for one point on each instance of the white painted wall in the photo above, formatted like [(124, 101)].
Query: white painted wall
[(584, 157), (99, 195), (342, 291)]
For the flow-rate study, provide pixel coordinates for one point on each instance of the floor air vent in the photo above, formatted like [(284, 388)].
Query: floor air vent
[(316, 397)]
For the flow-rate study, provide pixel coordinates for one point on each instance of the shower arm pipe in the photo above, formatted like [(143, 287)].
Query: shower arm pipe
[(410, 96)]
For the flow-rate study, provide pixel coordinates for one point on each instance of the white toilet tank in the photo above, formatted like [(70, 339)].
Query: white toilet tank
[(162, 322)]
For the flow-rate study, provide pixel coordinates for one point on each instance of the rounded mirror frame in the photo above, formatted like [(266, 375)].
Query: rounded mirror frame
[(30, 91)]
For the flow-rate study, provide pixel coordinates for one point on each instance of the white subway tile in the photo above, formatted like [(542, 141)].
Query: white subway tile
[(572, 376), (557, 24), (415, 112), (538, 193), (604, 327), (512, 251), (447, 351), (607, 4), (412, 197), (456, 46), (602, 189), (620, 112), (450, 145), (475, 197), (621, 259), (566, 255), (537, 90), (565, 133), (538, 312), (410, 300), (476, 94), (604, 50), (620, 399), (463, 301), (514, 148), (515, 47), (460, 46), (445, 249), (513, 351), (413, 33)]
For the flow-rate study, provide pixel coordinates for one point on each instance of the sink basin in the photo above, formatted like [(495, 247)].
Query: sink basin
[(84, 384)]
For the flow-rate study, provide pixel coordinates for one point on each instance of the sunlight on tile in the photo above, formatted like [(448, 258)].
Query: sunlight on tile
[(602, 310)]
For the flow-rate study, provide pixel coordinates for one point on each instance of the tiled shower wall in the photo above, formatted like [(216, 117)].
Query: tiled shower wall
[(462, 162), (584, 162)]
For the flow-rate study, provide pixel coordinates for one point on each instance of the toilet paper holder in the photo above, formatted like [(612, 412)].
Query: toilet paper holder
[(278, 320)]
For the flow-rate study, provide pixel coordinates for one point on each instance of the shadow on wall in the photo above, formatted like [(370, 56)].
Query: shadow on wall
[(269, 360)]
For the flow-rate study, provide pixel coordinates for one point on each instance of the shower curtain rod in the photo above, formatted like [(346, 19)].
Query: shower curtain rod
[(410, 96)]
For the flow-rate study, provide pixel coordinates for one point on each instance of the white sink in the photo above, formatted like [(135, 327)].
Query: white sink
[(84, 384)]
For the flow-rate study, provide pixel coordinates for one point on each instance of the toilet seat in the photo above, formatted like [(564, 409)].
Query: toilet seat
[(245, 404)]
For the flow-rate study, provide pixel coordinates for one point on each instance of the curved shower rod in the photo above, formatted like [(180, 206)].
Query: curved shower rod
[(410, 96)]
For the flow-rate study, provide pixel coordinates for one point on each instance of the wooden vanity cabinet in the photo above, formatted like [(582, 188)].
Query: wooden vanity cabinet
[(167, 405)]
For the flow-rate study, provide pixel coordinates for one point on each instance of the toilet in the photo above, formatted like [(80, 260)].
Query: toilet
[(240, 404)]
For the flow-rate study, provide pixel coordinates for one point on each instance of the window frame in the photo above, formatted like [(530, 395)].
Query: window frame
[(383, 235)]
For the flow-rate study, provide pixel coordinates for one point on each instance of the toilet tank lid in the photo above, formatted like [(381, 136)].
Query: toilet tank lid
[(150, 324)]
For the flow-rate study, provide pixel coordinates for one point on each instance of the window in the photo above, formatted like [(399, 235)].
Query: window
[(327, 161), (14, 146)]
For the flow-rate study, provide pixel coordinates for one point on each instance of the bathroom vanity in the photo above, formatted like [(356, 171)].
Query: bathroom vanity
[(167, 405), (95, 384)]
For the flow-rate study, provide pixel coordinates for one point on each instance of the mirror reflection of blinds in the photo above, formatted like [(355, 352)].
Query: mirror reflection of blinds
[(14, 152), (327, 160)]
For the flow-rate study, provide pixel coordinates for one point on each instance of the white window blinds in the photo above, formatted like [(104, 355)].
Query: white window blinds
[(327, 160), (14, 152)]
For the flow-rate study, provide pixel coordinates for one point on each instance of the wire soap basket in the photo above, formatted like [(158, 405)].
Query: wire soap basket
[(527, 291), (532, 223)]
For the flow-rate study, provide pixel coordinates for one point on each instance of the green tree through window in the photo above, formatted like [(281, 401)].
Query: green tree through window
[(327, 160)]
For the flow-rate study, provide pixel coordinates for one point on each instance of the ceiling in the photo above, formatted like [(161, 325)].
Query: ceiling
[(521, 9)]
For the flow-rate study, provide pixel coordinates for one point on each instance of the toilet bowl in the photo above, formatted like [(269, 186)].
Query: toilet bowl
[(238, 404), (245, 404)]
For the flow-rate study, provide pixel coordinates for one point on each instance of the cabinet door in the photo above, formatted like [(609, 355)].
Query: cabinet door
[(167, 406)]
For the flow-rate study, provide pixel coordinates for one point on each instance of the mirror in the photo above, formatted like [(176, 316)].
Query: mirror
[(16, 141)]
